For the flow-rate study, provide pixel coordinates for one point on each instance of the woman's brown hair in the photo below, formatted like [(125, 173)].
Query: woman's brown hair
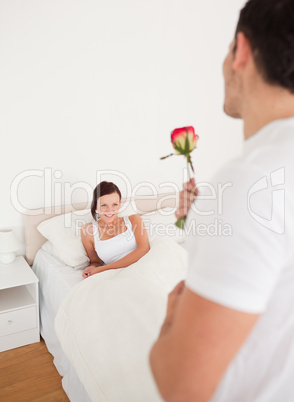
[(103, 188)]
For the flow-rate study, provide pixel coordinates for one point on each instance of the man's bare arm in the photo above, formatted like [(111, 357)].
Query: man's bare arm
[(198, 340)]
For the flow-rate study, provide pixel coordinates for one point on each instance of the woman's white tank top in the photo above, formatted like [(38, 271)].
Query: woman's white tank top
[(117, 247)]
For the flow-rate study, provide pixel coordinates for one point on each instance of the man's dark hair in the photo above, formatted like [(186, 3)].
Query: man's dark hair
[(103, 188), (269, 26)]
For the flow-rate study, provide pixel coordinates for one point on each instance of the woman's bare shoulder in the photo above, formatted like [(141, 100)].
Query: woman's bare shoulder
[(87, 229), (136, 221), (135, 218)]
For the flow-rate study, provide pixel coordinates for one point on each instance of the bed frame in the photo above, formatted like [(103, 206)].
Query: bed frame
[(34, 240)]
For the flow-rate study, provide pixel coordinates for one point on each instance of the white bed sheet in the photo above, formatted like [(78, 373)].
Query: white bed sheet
[(56, 277), (56, 280), (109, 346)]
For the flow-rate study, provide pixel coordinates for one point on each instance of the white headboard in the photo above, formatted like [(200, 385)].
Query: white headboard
[(34, 240)]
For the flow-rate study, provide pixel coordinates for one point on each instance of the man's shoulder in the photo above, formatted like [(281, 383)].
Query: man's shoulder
[(237, 172)]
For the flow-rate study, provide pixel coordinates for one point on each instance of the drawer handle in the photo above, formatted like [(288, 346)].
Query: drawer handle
[(9, 322)]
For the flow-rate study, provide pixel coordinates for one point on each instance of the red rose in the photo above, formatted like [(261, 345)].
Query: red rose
[(184, 140)]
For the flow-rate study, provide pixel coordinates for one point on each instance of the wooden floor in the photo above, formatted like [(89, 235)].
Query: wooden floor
[(27, 374)]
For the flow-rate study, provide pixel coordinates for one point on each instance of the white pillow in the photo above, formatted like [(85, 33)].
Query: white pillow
[(48, 247), (161, 223), (63, 231)]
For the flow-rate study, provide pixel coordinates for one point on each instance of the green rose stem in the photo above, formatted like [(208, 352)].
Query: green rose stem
[(180, 223), (184, 141)]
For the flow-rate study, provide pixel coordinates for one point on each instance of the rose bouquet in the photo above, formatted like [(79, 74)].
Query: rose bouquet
[(184, 142)]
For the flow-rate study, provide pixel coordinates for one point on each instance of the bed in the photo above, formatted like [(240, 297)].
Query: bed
[(100, 330)]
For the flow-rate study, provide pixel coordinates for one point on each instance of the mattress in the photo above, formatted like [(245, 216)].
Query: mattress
[(55, 281)]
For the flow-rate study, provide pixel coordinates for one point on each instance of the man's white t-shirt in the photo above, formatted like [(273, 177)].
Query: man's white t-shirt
[(241, 255)]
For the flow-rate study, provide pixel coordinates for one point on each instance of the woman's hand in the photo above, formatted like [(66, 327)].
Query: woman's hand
[(187, 196), (91, 270)]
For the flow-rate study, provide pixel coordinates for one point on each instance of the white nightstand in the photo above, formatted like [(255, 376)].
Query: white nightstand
[(19, 305)]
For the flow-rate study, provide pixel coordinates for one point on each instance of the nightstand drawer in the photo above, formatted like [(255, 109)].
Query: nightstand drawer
[(18, 320)]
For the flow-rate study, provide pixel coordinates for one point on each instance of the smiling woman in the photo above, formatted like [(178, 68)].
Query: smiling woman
[(112, 241)]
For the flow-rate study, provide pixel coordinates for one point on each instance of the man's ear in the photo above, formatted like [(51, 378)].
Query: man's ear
[(243, 52)]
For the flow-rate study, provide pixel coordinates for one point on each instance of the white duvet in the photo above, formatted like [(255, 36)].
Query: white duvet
[(108, 323)]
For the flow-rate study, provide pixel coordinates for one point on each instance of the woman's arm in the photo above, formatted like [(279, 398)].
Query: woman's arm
[(143, 247), (88, 243)]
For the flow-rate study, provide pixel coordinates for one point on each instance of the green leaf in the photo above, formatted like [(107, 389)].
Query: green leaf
[(180, 223)]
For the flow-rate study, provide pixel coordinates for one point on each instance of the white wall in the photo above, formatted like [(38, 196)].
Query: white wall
[(91, 85)]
